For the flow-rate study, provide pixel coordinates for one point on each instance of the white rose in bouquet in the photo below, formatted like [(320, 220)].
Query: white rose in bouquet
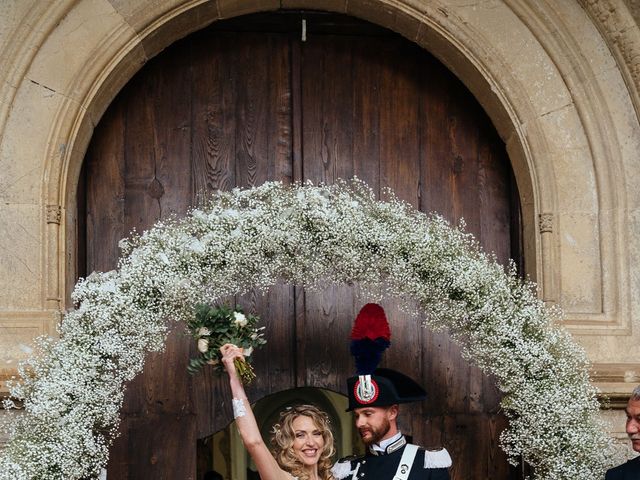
[(203, 345), (239, 319), (204, 332)]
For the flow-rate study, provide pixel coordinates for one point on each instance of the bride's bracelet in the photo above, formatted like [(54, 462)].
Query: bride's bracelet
[(238, 407)]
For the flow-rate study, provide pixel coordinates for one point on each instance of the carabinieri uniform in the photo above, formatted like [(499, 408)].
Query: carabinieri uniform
[(388, 465), (379, 389)]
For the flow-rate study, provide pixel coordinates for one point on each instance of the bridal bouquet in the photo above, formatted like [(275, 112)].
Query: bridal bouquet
[(214, 326)]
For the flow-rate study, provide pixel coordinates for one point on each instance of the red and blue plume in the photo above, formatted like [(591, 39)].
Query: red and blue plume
[(369, 338)]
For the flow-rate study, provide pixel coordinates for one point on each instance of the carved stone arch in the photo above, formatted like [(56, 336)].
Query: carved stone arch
[(587, 51), (559, 81)]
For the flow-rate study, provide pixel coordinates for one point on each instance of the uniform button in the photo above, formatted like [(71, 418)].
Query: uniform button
[(364, 461)]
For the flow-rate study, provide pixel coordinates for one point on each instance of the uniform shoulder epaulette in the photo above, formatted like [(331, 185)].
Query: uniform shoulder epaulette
[(437, 458), (343, 467)]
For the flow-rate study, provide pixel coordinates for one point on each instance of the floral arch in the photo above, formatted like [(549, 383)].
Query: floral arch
[(307, 235)]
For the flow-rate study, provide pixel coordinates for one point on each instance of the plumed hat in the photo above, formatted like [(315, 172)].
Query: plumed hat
[(372, 386)]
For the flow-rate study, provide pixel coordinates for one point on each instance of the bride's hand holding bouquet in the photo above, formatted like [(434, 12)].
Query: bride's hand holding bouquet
[(233, 358)]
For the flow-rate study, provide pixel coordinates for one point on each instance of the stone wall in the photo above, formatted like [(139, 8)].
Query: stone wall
[(559, 80)]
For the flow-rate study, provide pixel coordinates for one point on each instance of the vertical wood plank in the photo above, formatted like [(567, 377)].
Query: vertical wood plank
[(274, 363), (494, 202), (399, 94), (327, 106), (399, 121), (213, 114), (436, 153), (495, 225), (157, 179), (280, 91), (366, 111), (172, 105), (173, 188), (158, 453), (263, 110), (463, 134), (329, 316), (325, 317), (265, 153), (213, 145), (142, 210), (105, 193), (250, 70), (296, 110)]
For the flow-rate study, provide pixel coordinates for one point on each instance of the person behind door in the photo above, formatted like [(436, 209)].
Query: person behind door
[(302, 440), (631, 469), (374, 398)]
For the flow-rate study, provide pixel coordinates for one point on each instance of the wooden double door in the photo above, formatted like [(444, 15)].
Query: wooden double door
[(246, 101)]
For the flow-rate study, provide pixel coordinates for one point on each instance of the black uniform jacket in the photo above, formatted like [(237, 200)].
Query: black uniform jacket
[(383, 466), (626, 471)]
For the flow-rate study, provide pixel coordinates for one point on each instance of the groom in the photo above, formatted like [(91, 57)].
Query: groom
[(374, 398), (631, 469)]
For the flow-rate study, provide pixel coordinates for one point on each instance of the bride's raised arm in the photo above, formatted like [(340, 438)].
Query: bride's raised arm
[(267, 466)]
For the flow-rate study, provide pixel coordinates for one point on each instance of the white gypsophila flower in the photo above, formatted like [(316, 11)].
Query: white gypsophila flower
[(195, 245), (72, 387), (240, 319)]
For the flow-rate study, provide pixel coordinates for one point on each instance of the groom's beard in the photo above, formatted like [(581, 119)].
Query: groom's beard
[(377, 434)]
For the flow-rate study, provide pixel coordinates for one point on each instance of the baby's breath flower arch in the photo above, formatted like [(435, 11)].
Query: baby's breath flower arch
[(73, 389)]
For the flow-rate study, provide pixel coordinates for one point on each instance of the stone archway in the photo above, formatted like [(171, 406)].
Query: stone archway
[(558, 127), (560, 82)]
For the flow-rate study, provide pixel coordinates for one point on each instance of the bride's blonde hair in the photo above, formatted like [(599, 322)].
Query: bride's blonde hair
[(283, 436)]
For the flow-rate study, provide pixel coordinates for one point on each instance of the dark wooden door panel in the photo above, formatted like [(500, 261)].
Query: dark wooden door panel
[(244, 102)]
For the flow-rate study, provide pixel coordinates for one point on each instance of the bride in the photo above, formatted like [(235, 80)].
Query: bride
[(302, 441)]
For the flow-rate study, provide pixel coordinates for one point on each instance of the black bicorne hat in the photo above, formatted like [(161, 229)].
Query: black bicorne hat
[(386, 387), (371, 386)]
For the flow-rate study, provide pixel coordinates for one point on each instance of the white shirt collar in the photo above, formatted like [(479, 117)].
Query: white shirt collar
[(382, 446)]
